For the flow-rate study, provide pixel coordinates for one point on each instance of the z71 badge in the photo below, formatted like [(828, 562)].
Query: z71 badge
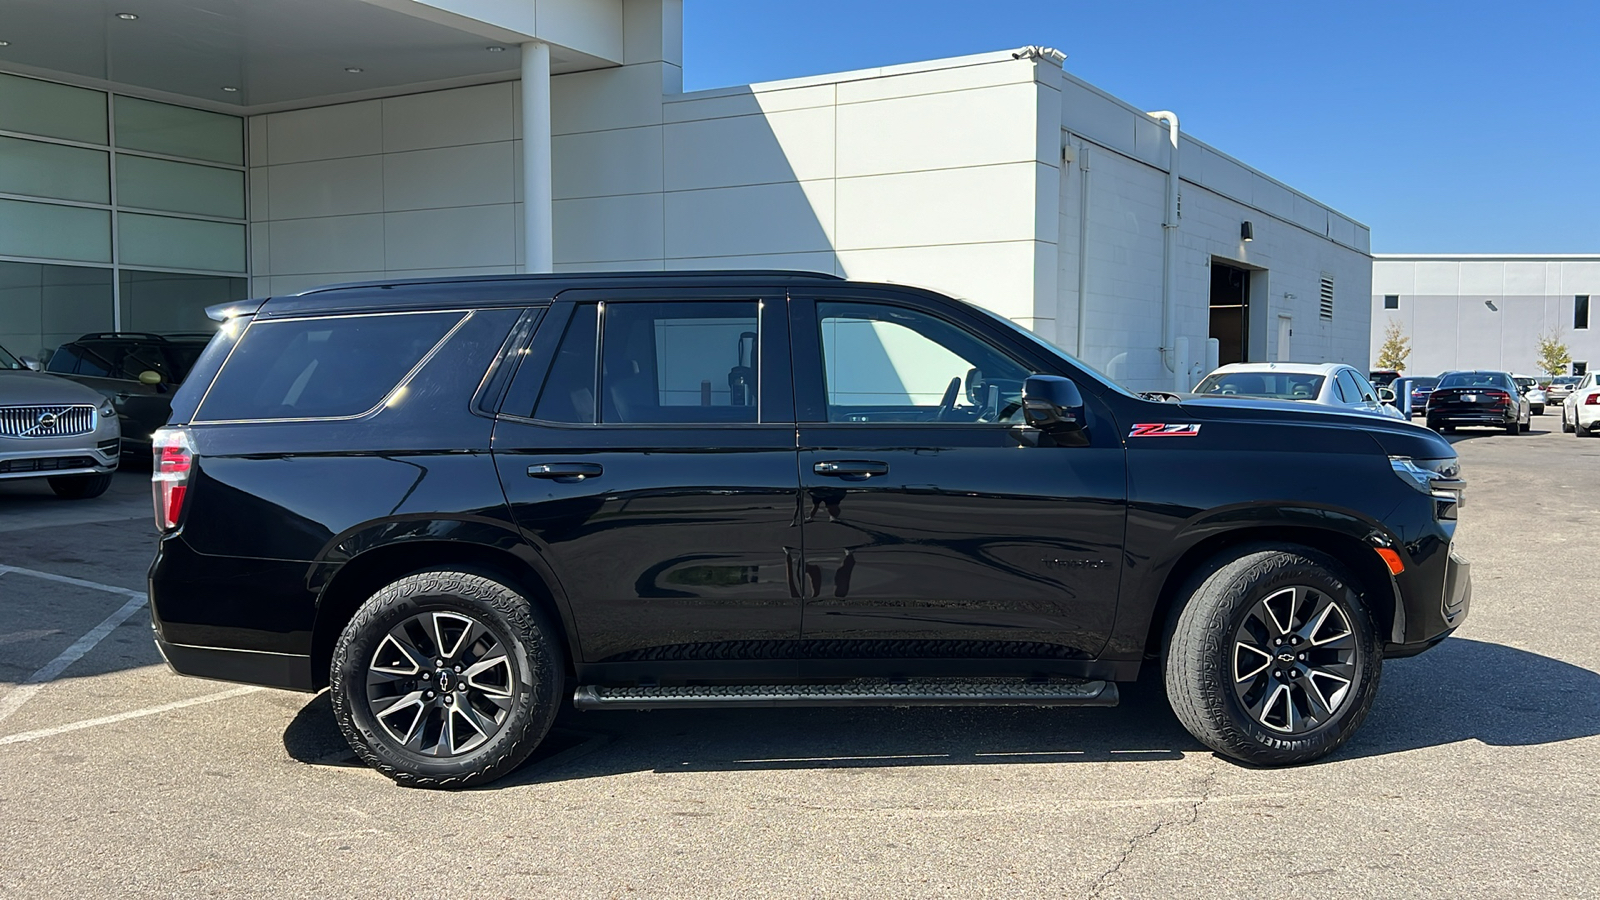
[(1158, 429)]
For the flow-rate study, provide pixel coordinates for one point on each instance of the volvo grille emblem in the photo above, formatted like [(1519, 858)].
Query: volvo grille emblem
[(46, 419)]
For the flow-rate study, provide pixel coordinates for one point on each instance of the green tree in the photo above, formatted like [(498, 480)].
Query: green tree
[(1396, 347), (1554, 358)]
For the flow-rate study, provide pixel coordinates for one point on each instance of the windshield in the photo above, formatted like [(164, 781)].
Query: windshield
[(7, 361), (1276, 385), (1423, 384), (1526, 384), (1567, 380), (1473, 379)]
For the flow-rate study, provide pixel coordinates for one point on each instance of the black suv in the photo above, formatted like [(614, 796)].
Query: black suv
[(137, 371), (458, 502)]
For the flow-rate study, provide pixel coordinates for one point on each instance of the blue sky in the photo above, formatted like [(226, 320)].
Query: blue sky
[(1464, 126)]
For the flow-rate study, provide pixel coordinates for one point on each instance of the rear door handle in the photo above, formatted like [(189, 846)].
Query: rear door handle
[(566, 471), (851, 468)]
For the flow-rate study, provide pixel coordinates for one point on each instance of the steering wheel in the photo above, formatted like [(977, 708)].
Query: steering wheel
[(947, 403)]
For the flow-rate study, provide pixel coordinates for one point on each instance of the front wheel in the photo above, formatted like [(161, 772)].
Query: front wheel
[(1273, 660), (446, 679), (80, 487), (1566, 426)]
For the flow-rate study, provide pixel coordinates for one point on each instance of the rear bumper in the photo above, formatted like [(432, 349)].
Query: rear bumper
[(275, 670), (1466, 417)]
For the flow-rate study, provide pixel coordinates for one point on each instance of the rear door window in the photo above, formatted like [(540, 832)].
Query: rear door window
[(680, 362), (333, 367)]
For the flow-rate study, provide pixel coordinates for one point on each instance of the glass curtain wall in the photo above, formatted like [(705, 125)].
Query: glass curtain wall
[(116, 214)]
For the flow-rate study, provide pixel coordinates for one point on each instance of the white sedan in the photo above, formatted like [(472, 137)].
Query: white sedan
[(1580, 412), (1326, 384)]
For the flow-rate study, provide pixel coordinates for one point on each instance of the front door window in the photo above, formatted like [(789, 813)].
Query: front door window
[(885, 364)]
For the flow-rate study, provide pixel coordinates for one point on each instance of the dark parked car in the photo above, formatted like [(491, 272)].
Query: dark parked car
[(456, 502), (137, 371), (1478, 398), (1418, 388), (1382, 377)]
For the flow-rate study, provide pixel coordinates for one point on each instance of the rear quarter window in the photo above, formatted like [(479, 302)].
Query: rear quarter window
[(330, 367)]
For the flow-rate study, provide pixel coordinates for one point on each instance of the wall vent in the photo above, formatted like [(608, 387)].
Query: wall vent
[(1327, 297)]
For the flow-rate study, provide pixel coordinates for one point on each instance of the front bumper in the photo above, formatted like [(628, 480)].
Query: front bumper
[(1427, 623), (89, 454)]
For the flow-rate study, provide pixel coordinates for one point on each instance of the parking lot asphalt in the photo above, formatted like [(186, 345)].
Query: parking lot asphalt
[(1474, 776)]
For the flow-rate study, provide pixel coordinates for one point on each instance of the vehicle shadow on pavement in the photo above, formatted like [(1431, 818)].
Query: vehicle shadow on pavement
[(1466, 690), (597, 744), (1461, 690)]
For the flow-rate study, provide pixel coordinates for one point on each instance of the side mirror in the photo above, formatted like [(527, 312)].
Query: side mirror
[(33, 364), (1052, 404), (1386, 395), (150, 376)]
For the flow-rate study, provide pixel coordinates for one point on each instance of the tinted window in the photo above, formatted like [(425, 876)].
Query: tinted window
[(1368, 392), (65, 359), (1278, 385), (318, 368), (887, 364), (680, 362), (7, 361), (568, 394), (96, 362), (1349, 392), (1477, 379)]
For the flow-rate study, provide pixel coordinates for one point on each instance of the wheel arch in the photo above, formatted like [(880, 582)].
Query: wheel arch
[(1376, 585), (365, 574)]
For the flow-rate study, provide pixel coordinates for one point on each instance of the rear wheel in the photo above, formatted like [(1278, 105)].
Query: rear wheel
[(1515, 427), (1273, 659), (446, 679), (1565, 425), (80, 487)]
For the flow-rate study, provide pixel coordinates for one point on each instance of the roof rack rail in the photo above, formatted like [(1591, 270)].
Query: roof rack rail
[(114, 335), (583, 276)]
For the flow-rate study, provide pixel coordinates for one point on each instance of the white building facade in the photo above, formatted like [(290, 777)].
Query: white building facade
[(1484, 311), (409, 139)]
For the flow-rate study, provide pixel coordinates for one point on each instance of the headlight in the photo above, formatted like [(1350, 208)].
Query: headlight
[(1438, 478), (107, 410)]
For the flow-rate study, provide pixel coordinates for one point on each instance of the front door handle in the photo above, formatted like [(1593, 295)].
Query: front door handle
[(566, 471), (851, 468)]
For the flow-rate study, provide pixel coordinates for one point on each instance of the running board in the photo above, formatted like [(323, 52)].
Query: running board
[(864, 692)]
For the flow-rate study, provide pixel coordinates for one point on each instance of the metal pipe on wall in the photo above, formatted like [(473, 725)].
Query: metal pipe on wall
[(1083, 242), (537, 218), (1169, 225)]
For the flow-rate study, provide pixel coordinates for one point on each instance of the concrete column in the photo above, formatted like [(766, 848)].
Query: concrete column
[(537, 221)]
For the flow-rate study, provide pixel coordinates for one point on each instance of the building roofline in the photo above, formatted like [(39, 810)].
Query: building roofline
[(1587, 257), (1189, 137), (930, 65)]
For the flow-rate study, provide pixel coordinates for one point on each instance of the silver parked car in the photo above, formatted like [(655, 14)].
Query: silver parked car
[(54, 429), (1531, 391)]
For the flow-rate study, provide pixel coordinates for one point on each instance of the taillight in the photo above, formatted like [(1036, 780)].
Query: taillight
[(1592, 400), (169, 474), (1500, 398)]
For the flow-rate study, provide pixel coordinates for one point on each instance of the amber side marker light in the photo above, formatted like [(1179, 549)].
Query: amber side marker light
[(1392, 560)]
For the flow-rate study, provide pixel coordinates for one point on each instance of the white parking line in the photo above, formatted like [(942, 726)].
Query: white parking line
[(13, 701), (123, 717)]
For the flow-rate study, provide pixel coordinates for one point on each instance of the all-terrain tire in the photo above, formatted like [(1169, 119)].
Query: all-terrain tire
[(80, 487), (1200, 655), (532, 644)]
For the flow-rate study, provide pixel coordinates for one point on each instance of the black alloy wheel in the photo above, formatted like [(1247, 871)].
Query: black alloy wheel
[(441, 684), (1294, 660), (447, 679), (1273, 659)]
